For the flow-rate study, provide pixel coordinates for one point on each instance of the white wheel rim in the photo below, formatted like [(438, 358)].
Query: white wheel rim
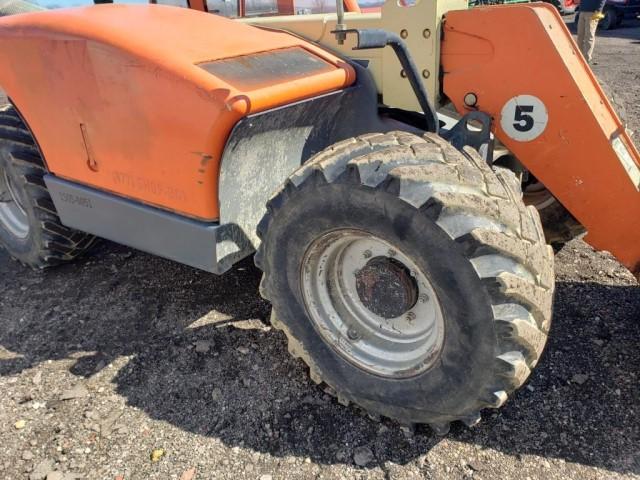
[(13, 216), (332, 273)]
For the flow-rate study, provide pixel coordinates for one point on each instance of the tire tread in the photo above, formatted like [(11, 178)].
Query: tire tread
[(57, 243), (483, 213)]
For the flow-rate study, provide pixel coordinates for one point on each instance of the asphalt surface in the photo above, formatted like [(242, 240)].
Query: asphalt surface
[(121, 357)]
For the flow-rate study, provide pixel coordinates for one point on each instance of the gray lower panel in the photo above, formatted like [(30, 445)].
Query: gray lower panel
[(146, 228)]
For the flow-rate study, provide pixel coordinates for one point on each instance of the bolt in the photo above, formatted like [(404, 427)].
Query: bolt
[(423, 297), (404, 33), (426, 73), (403, 74), (426, 33), (411, 316), (353, 334), (470, 99), (392, 253), (367, 254)]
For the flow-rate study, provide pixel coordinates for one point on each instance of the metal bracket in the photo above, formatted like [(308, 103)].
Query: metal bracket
[(473, 130), (376, 38)]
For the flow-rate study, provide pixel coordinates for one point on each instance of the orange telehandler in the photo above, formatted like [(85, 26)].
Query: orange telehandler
[(398, 253)]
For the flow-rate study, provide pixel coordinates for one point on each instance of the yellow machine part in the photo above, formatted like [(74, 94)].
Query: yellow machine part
[(419, 25)]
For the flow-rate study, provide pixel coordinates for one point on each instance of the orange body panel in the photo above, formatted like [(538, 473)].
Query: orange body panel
[(502, 52), (351, 6), (116, 100)]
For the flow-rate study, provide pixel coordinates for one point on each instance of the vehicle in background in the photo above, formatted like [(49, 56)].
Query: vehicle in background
[(615, 11), (477, 3), (565, 7)]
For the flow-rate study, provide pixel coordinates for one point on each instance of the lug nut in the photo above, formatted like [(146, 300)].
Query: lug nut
[(367, 254), (353, 334)]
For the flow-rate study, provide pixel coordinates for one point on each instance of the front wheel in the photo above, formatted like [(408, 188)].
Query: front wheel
[(409, 277)]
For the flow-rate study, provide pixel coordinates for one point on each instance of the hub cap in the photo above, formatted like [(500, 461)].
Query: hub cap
[(13, 216), (372, 304)]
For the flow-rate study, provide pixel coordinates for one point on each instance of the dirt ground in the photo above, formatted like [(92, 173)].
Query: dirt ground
[(106, 360)]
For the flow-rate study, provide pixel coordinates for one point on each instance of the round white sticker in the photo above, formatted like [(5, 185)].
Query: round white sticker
[(524, 118)]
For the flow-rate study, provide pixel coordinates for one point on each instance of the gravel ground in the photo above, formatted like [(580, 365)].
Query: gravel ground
[(127, 366)]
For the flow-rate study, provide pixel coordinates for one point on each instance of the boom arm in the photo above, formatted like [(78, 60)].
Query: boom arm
[(522, 67)]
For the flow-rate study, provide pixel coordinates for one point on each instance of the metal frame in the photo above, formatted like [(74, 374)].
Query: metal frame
[(162, 233)]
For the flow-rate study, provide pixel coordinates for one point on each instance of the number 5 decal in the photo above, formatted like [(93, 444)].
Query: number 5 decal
[(524, 118)]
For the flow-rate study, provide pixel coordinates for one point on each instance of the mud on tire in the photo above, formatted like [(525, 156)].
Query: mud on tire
[(464, 225), (30, 229)]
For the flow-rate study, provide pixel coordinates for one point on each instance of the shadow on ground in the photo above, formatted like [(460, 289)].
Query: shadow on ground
[(247, 391)]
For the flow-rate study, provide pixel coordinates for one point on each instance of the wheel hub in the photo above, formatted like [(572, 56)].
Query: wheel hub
[(372, 303), (386, 288)]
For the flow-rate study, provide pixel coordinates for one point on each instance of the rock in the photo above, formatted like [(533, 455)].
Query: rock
[(55, 475), (362, 456), (189, 474), (407, 431), (342, 455), (266, 477), (42, 470), (37, 378), (579, 378), (475, 466), (243, 350), (78, 391), (216, 394), (157, 454), (203, 346), (20, 424), (107, 425), (27, 455)]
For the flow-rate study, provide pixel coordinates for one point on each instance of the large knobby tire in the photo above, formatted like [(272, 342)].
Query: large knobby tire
[(460, 229), (30, 229)]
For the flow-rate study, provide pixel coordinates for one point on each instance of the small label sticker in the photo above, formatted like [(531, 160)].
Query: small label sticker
[(524, 118), (627, 161), (75, 200)]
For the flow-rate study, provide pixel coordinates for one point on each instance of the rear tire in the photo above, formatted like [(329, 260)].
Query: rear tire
[(446, 217), (30, 229)]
